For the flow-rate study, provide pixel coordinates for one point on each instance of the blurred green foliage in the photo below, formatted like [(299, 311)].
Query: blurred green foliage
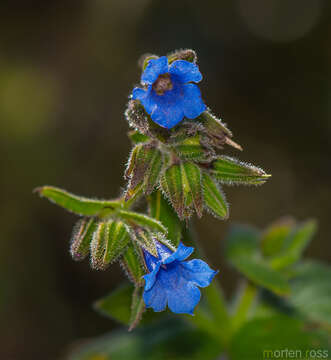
[(259, 319)]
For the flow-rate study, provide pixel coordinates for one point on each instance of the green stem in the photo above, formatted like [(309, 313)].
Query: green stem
[(218, 309), (246, 299)]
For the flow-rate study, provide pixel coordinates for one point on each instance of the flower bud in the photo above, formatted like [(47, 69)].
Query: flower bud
[(82, 237), (181, 184), (185, 54)]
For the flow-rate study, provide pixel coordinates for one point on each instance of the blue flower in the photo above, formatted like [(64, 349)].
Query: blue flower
[(173, 281), (170, 95)]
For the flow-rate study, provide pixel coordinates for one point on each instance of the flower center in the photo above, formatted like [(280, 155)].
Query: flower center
[(162, 84)]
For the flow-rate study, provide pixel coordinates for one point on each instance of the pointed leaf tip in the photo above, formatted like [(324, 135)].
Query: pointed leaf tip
[(230, 171)]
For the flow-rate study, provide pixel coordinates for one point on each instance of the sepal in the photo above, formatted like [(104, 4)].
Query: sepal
[(184, 54), (98, 246), (136, 137), (144, 166), (141, 121), (181, 184), (230, 171), (132, 263), (214, 198), (145, 239), (81, 238), (109, 241), (190, 148)]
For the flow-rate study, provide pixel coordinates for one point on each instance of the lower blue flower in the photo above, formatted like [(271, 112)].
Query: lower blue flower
[(173, 281)]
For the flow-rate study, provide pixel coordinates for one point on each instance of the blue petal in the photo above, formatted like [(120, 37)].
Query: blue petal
[(156, 297), (163, 251), (139, 94), (198, 272), (173, 288), (151, 277), (185, 71), (168, 110), (144, 96), (182, 253), (193, 105), (155, 68), (185, 300), (150, 260)]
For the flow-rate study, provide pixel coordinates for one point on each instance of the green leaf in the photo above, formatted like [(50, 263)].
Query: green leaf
[(311, 291), (260, 273), (160, 209), (168, 340), (294, 245), (242, 250), (231, 171), (141, 220), (125, 305), (132, 262), (117, 241), (213, 125), (137, 307), (242, 240), (267, 337), (76, 204), (273, 238), (136, 137), (81, 238), (191, 180), (214, 198), (117, 305)]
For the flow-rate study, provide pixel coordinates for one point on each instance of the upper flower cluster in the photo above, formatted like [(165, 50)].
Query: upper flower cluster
[(168, 94), (173, 281)]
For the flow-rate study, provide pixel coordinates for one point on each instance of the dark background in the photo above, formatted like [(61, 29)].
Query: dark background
[(66, 69)]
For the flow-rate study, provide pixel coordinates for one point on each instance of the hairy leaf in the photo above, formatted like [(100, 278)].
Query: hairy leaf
[(190, 148), (81, 238), (231, 171), (132, 263), (78, 205), (214, 198), (98, 246), (141, 220), (117, 241)]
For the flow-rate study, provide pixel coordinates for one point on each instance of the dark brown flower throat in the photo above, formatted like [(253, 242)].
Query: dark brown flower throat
[(162, 84)]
